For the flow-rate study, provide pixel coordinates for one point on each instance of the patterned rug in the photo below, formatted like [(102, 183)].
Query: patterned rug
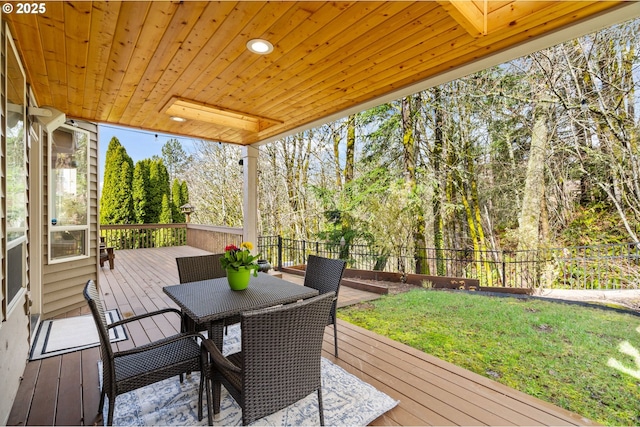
[(347, 401)]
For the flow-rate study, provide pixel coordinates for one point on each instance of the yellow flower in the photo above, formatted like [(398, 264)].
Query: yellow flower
[(247, 245)]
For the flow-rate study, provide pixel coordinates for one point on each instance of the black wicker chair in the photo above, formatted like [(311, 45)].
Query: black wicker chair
[(127, 370), (325, 274), (279, 363), (202, 267)]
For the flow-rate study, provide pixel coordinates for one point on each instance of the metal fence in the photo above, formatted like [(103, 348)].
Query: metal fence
[(582, 267), (614, 266)]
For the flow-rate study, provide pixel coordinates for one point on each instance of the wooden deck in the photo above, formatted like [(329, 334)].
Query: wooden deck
[(63, 390)]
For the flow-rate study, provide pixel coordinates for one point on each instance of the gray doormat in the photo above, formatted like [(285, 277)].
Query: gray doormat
[(60, 336)]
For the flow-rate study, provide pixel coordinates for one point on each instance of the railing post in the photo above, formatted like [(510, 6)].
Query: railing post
[(279, 252), (304, 251), (504, 271)]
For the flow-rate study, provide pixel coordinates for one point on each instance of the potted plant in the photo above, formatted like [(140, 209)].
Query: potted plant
[(239, 263)]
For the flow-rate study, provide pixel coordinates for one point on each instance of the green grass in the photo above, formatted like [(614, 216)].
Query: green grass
[(556, 352)]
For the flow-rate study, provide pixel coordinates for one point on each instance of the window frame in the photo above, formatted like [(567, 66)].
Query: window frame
[(51, 229), (10, 305)]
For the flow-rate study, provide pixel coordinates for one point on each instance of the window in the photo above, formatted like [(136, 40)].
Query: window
[(68, 194), (16, 177)]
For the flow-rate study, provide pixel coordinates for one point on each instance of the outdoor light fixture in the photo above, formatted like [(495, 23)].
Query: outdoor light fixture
[(178, 119), (259, 46)]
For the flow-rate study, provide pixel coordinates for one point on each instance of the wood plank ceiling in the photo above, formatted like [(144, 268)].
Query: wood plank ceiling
[(135, 63)]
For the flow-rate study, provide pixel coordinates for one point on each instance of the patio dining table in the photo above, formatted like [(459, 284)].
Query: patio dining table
[(211, 301)]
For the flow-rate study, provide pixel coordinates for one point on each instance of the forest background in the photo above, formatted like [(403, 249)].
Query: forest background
[(538, 152)]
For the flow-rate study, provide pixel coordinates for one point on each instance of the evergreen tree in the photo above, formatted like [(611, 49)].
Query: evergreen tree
[(176, 198), (165, 214), (174, 158), (158, 187), (141, 191), (184, 193), (124, 209), (116, 203)]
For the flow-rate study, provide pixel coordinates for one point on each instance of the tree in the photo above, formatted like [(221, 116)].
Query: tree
[(292, 157), (604, 69), (140, 190), (346, 218), (533, 194), (177, 201), (184, 193), (158, 187), (215, 184), (489, 162), (410, 143), (438, 184), (174, 157), (116, 202), (166, 216)]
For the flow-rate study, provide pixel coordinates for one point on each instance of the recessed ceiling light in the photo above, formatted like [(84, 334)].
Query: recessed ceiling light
[(259, 46), (178, 119)]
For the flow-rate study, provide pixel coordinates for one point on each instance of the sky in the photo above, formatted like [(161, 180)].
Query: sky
[(138, 143)]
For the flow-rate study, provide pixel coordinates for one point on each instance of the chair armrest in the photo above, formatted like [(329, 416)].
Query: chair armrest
[(217, 357), (159, 343), (107, 250), (145, 315)]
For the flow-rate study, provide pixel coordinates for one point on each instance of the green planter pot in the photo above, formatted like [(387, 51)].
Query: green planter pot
[(238, 280)]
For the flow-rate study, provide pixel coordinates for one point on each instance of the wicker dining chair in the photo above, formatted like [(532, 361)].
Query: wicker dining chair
[(202, 267), (123, 371), (279, 363), (325, 274)]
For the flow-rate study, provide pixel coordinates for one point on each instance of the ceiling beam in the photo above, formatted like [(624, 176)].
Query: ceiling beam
[(468, 15), (193, 110)]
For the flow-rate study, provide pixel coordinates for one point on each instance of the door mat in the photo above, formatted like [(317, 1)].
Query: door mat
[(60, 336)]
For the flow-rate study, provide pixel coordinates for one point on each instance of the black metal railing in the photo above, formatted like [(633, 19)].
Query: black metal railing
[(615, 266)]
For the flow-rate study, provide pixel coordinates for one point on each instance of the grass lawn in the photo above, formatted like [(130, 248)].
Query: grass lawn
[(568, 355)]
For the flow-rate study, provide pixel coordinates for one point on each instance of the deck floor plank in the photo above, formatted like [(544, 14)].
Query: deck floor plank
[(437, 390), (430, 391), (43, 406), (90, 386), (22, 403), (69, 404)]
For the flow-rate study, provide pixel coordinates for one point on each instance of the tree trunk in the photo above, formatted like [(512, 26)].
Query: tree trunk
[(410, 152), (528, 233), (438, 183), (335, 136), (350, 152), (346, 221)]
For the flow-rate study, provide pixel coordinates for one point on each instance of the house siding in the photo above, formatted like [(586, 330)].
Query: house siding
[(62, 283)]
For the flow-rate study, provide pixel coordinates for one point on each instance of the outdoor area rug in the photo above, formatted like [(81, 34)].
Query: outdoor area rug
[(347, 401), (59, 336)]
